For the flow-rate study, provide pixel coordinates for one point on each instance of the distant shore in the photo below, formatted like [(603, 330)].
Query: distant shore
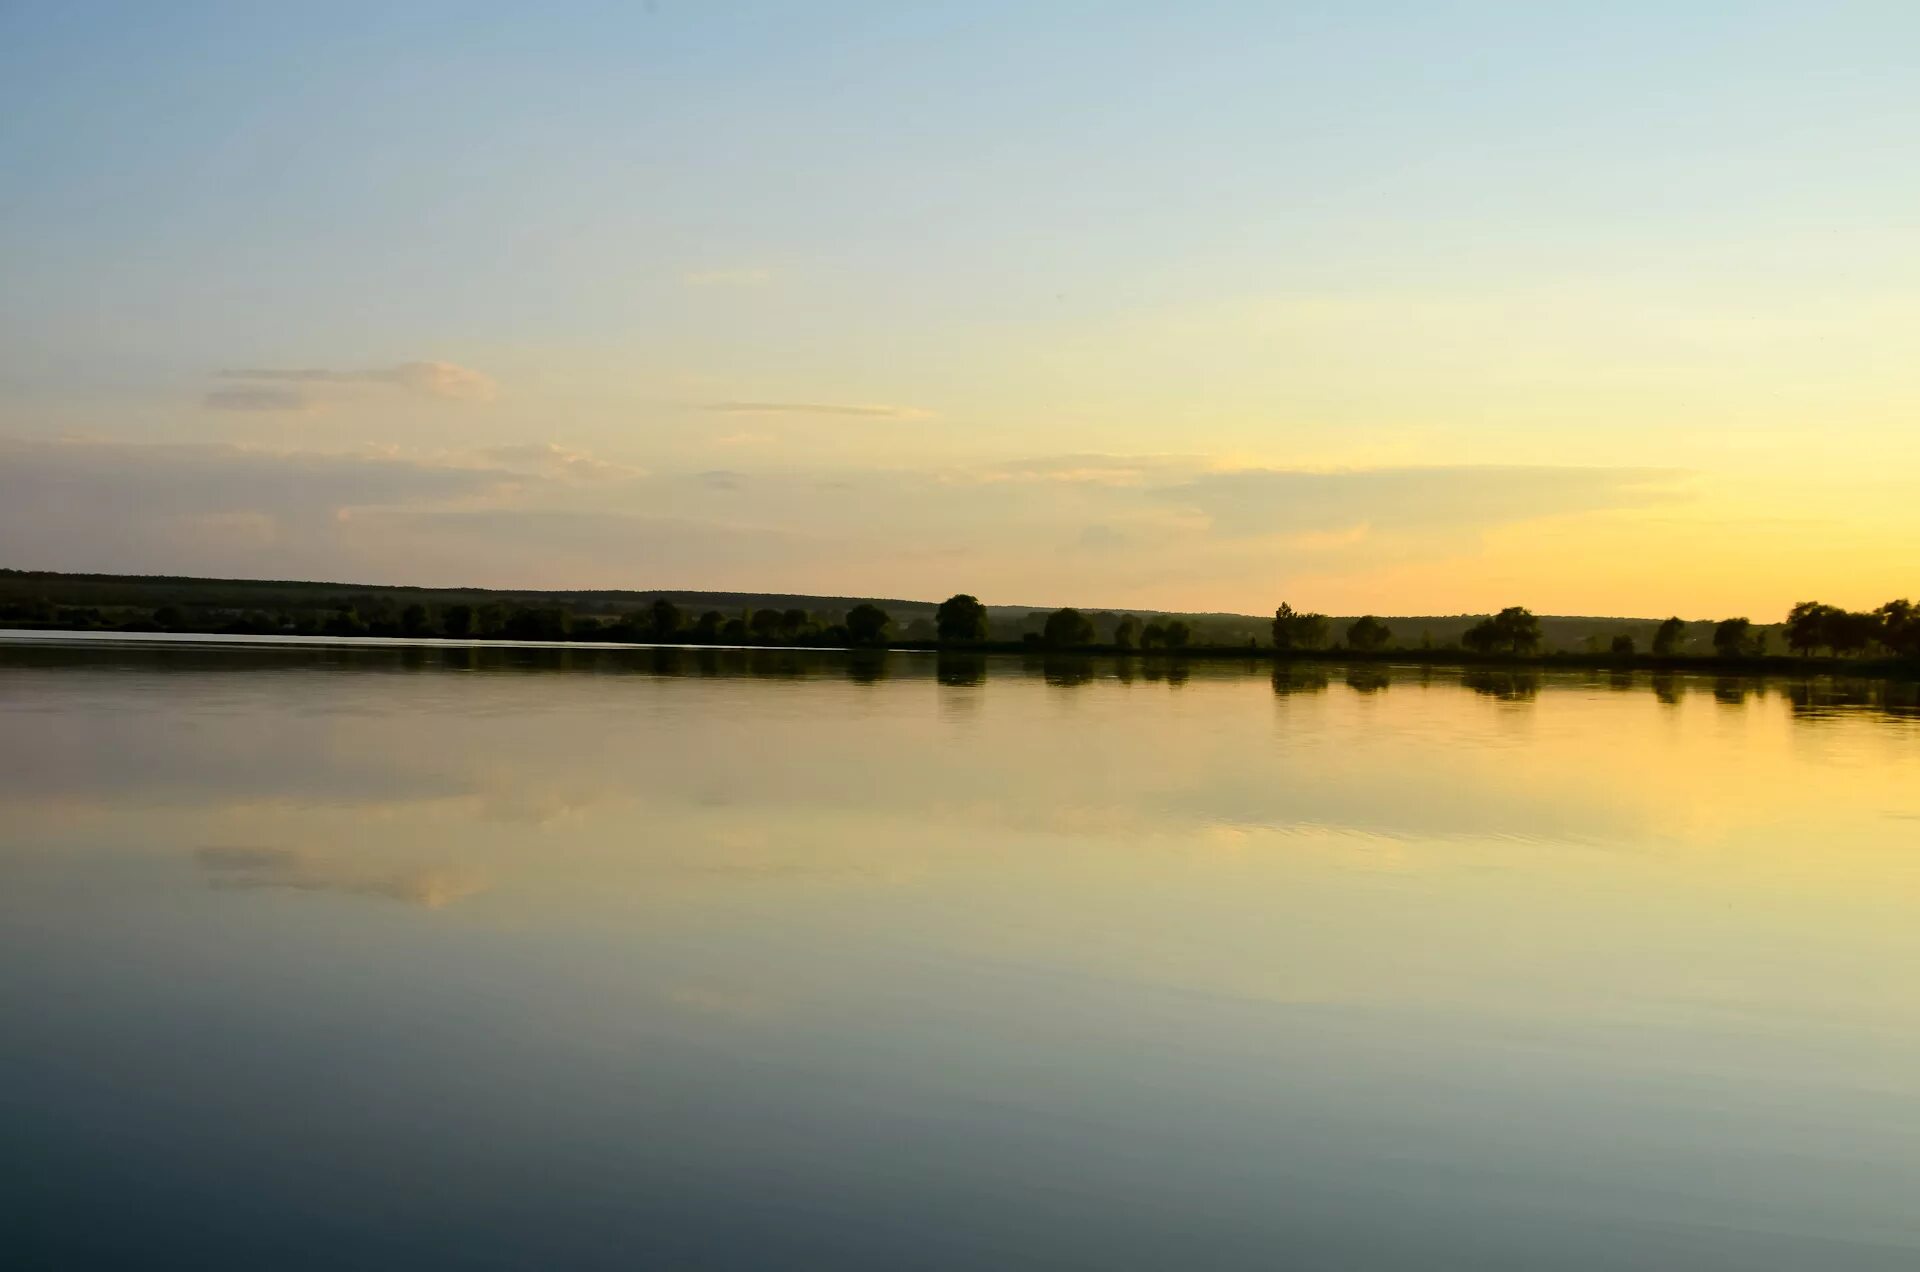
[(1558, 660)]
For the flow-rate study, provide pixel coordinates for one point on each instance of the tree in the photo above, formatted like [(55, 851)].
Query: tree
[(413, 620), (765, 624), (708, 625), (1126, 632), (1367, 634), (961, 620), (1900, 627), (1733, 638), (1153, 635), (1514, 630), (1067, 629), (457, 621), (663, 619), (1622, 646), (1293, 629), (1852, 631), (1809, 626), (1667, 637), (1178, 633), (867, 624), (793, 622)]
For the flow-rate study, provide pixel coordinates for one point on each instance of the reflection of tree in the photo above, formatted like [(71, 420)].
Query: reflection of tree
[(961, 670), (1667, 689), (1066, 671), (866, 666), (1290, 679), (1367, 679), (1508, 686)]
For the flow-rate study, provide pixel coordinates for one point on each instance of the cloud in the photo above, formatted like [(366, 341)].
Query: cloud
[(247, 868), (1085, 470), (1260, 501), (853, 410), (435, 379), (747, 277), (550, 459), (257, 398), (721, 478)]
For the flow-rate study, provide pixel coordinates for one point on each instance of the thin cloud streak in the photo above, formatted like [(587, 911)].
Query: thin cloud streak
[(856, 410), (436, 379)]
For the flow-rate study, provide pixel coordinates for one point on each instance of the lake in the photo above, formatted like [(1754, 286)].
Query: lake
[(354, 957)]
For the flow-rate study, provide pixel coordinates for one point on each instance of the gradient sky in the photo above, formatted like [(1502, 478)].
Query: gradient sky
[(1371, 307)]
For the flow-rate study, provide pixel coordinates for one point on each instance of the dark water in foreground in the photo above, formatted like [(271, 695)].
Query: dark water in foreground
[(319, 958)]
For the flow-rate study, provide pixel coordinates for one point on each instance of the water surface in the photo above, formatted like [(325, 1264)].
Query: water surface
[(480, 958)]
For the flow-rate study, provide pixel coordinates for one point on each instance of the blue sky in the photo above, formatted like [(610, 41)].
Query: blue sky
[(937, 242)]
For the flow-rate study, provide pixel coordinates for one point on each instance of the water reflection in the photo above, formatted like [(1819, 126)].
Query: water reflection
[(685, 957), (1508, 686)]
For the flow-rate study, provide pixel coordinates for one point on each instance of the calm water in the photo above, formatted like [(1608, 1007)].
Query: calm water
[(334, 959)]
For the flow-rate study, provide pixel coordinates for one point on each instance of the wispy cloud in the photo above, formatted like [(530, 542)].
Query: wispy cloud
[(878, 411), (550, 459), (259, 397), (249, 868), (445, 380)]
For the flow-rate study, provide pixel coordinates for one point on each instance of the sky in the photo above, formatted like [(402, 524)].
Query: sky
[(1369, 307)]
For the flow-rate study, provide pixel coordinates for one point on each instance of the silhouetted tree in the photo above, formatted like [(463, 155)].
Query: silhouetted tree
[(1153, 635), (766, 624), (1666, 638), (1622, 646), (1900, 627), (1733, 638), (1852, 631), (663, 619), (413, 621), (1126, 632), (1513, 630), (961, 620), (708, 625), (793, 622), (867, 624), (456, 621), (1067, 629), (1178, 633), (1807, 626), (1367, 634), (1295, 630)]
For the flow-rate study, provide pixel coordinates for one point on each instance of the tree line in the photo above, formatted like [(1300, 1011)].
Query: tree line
[(1810, 627)]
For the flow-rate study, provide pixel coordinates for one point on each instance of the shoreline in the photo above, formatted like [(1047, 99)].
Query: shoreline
[(1555, 660)]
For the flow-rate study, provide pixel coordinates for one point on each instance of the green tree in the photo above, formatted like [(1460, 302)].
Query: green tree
[(1067, 629), (1622, 646), (1179, 634), (1667, 638), (765, 624), (1126, 632), (1368, 633), (1153, 635), (456, 621), (794, 623), (1733, 637), (961, 620), (413, 621), (1293, 629), (867, 624), (708, 625)]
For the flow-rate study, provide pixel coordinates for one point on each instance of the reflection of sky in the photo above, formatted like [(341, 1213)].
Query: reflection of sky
[(1087, 966)]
